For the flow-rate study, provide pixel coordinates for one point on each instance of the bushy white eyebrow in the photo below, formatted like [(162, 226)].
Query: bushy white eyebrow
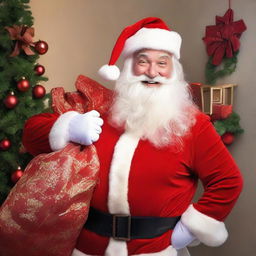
[(165, 55), (142, 54), (161, 55)]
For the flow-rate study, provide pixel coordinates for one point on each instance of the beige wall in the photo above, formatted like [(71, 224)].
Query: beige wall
[(81, 34)]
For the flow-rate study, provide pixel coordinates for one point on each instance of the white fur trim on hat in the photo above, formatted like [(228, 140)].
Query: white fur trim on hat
[(208, 230), (153, 38), (59, 137), (109, 72)]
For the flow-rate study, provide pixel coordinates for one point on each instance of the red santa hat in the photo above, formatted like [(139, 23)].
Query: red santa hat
[(148, 33)]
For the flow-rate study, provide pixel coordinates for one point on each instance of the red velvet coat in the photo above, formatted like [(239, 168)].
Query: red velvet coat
[(160, 181)]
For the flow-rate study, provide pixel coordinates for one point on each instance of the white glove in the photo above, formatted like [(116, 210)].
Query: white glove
[(181, 236), (85, 128)]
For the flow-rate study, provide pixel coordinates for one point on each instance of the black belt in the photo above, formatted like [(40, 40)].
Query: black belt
[(126, 227)]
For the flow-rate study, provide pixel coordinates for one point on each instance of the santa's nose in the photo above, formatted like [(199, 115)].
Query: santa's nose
[(152, 71)]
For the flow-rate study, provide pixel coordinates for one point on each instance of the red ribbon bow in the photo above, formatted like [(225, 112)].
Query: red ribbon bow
[(23, 36), (222, 39)]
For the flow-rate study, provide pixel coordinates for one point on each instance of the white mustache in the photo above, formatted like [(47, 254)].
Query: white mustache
[(157, 79)]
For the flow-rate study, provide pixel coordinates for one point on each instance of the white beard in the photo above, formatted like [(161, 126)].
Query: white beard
[(160, 114)]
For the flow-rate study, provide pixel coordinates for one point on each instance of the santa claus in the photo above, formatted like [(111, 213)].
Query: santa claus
[(153, 146)]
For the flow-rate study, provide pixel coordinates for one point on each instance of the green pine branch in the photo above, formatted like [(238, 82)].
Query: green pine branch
[(213, 72), (230, 124)]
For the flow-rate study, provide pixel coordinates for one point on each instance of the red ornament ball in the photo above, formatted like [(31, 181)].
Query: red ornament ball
[(41, 47), (16, 175), (39, 91), (39, 69), (11, 101), (228, 138), (5, 144), (23, 85)]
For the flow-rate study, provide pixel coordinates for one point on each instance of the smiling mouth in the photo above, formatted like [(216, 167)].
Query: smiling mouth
[(150, 83)]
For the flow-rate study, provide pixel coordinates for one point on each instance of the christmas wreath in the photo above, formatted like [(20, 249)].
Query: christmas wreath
[(222, 42)]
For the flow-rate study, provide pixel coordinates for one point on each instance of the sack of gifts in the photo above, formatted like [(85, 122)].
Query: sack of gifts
[(45, 211), (47, 208)]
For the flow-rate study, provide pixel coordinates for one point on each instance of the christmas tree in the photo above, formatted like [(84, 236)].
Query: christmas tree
[(21, 93)]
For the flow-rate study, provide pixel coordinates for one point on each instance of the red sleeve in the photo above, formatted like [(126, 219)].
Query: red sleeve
[(36, 133), (217, 170)]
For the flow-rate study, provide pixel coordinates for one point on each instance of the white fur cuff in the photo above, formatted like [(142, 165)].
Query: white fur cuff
[(59, 136), (207, 230)]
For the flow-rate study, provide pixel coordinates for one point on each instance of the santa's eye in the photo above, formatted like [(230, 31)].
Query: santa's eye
[(162, 63), (142, 61)]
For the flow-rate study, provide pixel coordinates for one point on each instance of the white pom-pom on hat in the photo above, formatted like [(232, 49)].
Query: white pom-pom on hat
[(109, 72), (148, 33)]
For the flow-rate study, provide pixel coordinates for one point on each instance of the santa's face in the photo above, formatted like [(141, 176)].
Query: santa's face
[(153, 107), (152, 64)]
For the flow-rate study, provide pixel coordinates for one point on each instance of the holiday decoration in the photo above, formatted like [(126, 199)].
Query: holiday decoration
[(222, 39), (41, 47), (221, 112), (222, 45), (5, 144), (228, 138), (18, 59), (214, 99), (212, 72), (23, 36), (217, 102), (17, 175), (230, 124), (39, 91), (11, 101), (23, 85), (39, 69)]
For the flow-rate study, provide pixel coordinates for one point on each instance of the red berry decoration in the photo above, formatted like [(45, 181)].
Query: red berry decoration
[(39, 91), (41, 47), (39, 69), (228, 138), (5, 144), (23, 85), (11, 101), (16, 175)]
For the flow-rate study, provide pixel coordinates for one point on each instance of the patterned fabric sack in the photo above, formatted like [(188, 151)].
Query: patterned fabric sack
[(47, 208)]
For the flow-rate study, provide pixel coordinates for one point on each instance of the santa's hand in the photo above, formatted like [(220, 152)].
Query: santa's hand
[(181, 236), (85, 128)]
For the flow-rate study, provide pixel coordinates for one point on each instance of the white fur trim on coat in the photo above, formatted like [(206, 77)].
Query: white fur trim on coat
[(119, 174), (153, 38), (207, 230), (59, 137), (116, 248), (118, 185)]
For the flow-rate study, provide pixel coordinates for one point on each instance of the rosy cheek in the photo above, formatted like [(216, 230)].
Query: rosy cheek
[(167, 73), (138, 70)]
